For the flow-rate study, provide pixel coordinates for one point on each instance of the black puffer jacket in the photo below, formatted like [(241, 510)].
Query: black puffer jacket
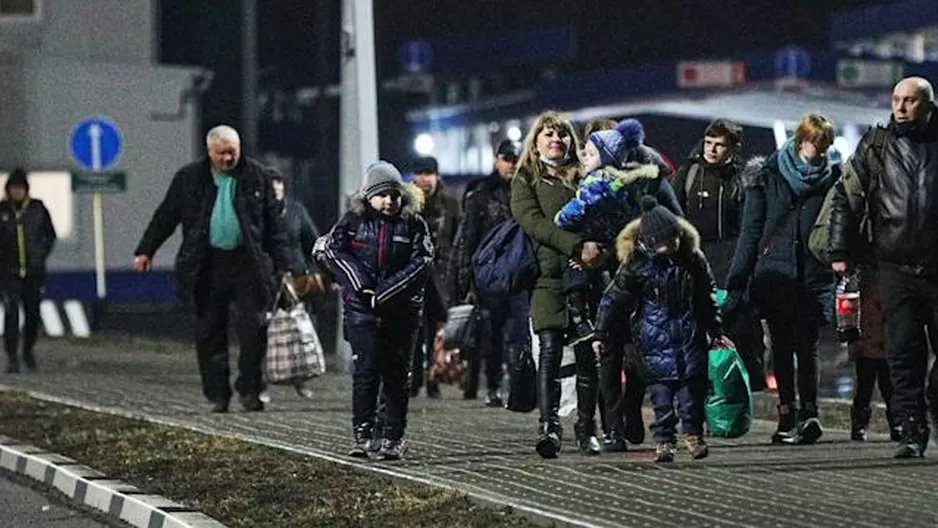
[(190, 200), (903, 206), (388, 256), (38, 236)]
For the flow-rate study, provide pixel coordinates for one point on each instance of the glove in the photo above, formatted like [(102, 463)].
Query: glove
[(368, 298)]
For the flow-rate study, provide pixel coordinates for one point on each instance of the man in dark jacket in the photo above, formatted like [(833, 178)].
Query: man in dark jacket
[(710, 194), (902, 207), (441, 212), (486, 204), (233, 245), (26, 240)]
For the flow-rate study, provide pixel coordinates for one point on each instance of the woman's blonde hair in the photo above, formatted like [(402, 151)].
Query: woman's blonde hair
[(530, 164), (816, 129)]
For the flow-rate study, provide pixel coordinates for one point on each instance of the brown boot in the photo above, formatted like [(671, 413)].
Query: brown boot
[(697, 446)]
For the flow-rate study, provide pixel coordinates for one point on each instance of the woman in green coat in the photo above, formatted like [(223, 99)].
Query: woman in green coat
[(546, 179)]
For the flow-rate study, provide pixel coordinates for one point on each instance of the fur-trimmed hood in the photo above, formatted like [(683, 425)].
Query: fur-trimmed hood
[(633, 172), (627, 240), (751, 175), (412, 201)]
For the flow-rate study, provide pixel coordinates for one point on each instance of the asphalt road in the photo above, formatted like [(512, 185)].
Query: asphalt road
[(23, 505)]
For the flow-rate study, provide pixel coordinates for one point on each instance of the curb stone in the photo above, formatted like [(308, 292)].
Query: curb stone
[(86, 486)]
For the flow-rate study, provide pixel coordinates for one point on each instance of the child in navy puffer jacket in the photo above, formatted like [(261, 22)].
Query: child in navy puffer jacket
[(665, 281), (620, 169)]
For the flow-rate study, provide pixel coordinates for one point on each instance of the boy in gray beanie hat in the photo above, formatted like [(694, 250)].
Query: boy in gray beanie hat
[(381, 177), (380, 253)]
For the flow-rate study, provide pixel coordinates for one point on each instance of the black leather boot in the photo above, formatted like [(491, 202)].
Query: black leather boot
[(587, 392), (581, 327), (548, 378)]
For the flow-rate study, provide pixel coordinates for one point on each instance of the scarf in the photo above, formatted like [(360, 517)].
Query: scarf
[(804, 177)]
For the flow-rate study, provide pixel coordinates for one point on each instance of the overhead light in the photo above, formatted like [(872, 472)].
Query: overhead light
[(514, 133), (423, 144)]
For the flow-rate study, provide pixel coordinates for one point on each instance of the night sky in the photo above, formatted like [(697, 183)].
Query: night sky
[(610, 33)]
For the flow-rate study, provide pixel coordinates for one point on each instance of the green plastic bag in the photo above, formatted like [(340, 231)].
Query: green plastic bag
[(728, 407)]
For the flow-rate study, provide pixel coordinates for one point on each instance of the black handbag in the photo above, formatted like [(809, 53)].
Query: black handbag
[(459, 332), (522, 393)]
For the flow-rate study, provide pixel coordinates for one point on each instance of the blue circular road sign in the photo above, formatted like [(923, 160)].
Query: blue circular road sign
[(95, 144), (415, 55)]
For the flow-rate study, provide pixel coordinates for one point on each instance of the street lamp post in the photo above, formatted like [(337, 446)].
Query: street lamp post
[(358, 128)]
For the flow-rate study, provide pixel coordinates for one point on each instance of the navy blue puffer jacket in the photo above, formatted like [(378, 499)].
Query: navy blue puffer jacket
[(387, 256), (670, 304)]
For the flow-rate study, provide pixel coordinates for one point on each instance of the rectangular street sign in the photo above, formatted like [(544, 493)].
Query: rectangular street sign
[(100, 182)]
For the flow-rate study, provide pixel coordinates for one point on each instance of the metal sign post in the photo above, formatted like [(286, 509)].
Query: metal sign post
[(95, 145)]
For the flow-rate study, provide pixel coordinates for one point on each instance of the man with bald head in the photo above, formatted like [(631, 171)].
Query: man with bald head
[(234, 243), (892, 179)]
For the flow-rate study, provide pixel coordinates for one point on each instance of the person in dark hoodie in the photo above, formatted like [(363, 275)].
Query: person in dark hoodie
[(380, 253), (665, 281), (710, 194), (786, 283), (26, 241)]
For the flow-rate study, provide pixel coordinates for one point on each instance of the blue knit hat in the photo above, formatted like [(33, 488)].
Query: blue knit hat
[(614, 145)]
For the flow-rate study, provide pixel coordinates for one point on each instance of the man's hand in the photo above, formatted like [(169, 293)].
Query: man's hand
[(142, 263), (840, 267), (598, 348), (590, 253)]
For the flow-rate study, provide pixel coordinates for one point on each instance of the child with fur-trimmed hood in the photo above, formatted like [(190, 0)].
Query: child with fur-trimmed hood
[(620, 169), (380, 253), (665, 281)]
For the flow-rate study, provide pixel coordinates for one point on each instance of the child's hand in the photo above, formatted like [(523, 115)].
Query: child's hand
[(597, 348), (574, 264), (721, 341)]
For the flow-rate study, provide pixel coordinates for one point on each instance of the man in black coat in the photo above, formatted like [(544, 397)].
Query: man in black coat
[(26, 240), (233, 246), (891, 181), (486, 204)]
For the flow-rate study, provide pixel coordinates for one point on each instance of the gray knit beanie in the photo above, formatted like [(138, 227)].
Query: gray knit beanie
[(382, 176)]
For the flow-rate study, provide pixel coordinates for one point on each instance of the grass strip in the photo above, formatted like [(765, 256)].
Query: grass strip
[(236, 482)]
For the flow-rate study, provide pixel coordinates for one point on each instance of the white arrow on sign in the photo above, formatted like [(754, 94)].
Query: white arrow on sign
[(94, 134)]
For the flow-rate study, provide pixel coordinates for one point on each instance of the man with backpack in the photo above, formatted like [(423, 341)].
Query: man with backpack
[(709, 190), (710, 194), (890, 188), (486, 206)]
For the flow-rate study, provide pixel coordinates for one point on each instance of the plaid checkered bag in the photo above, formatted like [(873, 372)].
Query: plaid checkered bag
[(294, 352)]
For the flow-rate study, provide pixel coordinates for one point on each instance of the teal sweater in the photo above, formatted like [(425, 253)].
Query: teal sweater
[(224, 229)]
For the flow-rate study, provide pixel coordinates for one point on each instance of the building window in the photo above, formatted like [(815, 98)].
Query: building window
[(54, 188), (19, 8)]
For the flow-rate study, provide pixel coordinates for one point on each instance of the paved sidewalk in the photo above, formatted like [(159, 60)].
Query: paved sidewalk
[(489, 452)]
